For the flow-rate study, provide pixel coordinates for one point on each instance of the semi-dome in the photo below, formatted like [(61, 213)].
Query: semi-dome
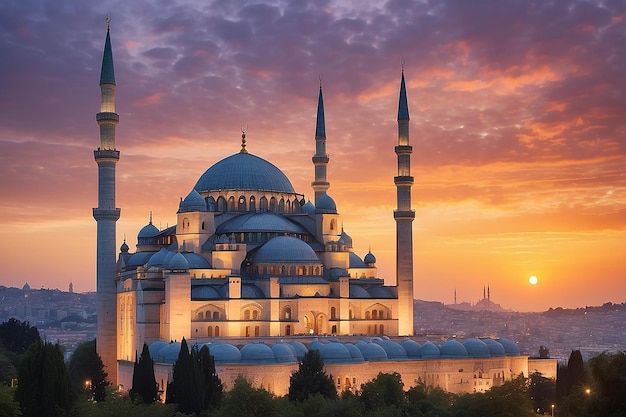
[(496, 350), (244, 172), (193, 202), (510, 347), (224, 353), (257, 353), (286, 249), (453, 349), (429, 350), (411, 347), (326, 204), (476, 348), (356, 261), (158, 258)]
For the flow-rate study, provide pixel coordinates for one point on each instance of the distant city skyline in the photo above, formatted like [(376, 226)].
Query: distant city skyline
[(517, 126)]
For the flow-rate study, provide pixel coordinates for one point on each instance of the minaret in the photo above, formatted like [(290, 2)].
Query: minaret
[(106, 214), (404, 217), (320, 159)]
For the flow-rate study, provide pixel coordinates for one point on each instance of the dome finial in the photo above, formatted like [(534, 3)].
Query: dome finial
[(243, 140), (108, 20), (150, 217)]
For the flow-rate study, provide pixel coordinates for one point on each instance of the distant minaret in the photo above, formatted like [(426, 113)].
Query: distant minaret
[(455, 296), (320, 159), (404, 216), (488, 293), (484, 293), (106, 214)]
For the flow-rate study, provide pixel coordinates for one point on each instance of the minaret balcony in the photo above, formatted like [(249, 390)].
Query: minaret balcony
[(403, 180), (106, 214), (404, 214), (404, 149), (107, 117), (320, 159), (103, 155)]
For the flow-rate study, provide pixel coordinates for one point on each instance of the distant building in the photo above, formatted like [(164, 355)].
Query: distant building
[(256, 270)]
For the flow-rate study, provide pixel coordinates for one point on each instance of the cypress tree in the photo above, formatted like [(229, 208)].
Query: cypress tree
[(144, 381), (310, 378), (212, 388)]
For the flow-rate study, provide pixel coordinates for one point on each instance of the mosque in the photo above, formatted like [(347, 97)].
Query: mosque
[(262, 274)]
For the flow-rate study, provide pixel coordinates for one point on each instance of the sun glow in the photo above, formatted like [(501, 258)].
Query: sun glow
[(533, 280)]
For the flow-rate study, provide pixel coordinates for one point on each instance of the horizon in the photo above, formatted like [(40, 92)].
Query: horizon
[(517, 127)]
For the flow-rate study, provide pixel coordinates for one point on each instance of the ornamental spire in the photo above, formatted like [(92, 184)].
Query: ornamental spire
[(403, 107), (243, 141), (320, 126), (107, 75)]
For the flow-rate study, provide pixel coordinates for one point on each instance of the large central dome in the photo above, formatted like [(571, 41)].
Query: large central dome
[(244, 171)]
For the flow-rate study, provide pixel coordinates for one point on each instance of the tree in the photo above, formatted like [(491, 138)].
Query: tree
[(8, 406), (575, 371), (310, 378), (87, 371), (385, 390), (212, 388), (542, 392), (44, 387), (246, 401), (544, 352), (144, 381), (609, 374), (17, 336)]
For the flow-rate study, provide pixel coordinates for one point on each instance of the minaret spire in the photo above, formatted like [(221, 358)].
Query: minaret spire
[(106, 215), (320, 159), (404, 216)]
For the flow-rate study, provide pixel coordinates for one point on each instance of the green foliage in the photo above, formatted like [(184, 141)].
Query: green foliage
[(383, 391), (8, 406), (121, 406), (542, 392), (608, 398), (17, 336), (195, 385), (429, 400), (310, 378), (8, 371), (144, 382), (44, 383), (246, 401), (87, 371)]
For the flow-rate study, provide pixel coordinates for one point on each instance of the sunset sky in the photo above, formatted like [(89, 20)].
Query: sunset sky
[(518, 128)]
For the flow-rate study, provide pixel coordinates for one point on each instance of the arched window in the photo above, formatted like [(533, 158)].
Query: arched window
[(247, 331), (231, 203), (367, 315), (208, 315), (288, 206), (246, 315), (255, 315), (292, 270), (287, 313), (210, 203), (185, 224), (317, 270), (333, 225), (216, 315), (252, 203), (333, 313), (288, 330), (263, 204), (203, 226), (351, 315), (283, 270), (221, 204), (241, 203), (300, 270), (334, 329), (217, 331), (257, 331), (273, 269), (374, 314), (281, 206), (382, 329), (209, 331), (381, 314), (200, 316), (273, 204)]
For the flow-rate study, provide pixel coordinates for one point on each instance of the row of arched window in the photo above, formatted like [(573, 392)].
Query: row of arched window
[(290, 270), (242, 204)]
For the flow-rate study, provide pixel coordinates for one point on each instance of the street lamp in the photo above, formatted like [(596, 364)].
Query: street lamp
[(588, 391), (552, 410)]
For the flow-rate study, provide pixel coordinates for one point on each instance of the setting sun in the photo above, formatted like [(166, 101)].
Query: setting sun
[(533, 280)]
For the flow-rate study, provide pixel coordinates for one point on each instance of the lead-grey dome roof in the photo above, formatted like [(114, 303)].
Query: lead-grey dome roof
[(286, 249), (244, 171), (193, 202)]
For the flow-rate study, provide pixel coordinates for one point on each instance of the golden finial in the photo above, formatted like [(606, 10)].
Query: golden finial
[(243, 140), (108, 20), (320, 81)]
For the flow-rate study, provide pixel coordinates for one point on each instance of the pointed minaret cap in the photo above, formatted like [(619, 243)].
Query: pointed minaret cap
[(107, 75), (320, 126), (403, 107)]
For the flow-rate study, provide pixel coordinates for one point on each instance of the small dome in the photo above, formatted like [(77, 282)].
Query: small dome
[(308, 208), (204, 292), (335, 353), (177, 263), (155, 347), (193, 202), (357, 356), (316, 345), (286, 249), (148, 231), (476, 348), (369, 258), (299, 349), (257, 353), (510, 347), (346, 238), (224, 353), (168, 354), (124, 248), (158, 258), (372, 352), (196, 261), (251, 291), (326, 204), (393, 350), (453, 349), (284, 353), (496, 350), (411, 347), (356, 261), (429, 351), (356, 291)]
